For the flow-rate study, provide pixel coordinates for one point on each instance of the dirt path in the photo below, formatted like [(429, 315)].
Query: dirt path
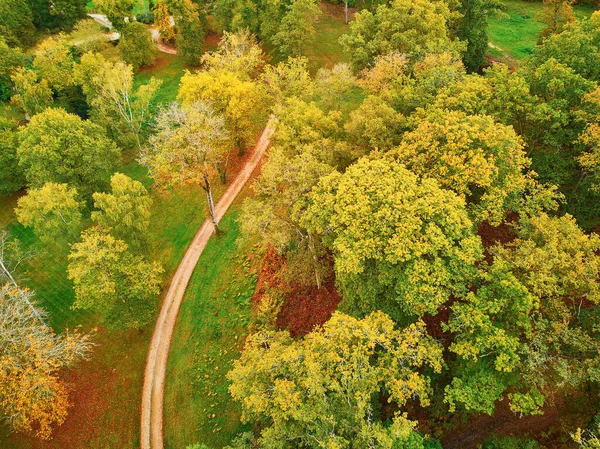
[(154, 377)]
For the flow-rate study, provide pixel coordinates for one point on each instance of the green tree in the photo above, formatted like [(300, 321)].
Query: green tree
[(557, 14), (526, 331), (111, 280), (405, 26), (578, 46), (473, 30), (297, 29), (136, 45), (190, 143), (125, 211), (401, 244), (116, 104), (88, 36), (322, 390), (53, 212), (116, 11), (60, 147), (66, 13), (33, 398), (190, 32), (11, 175), (334, 85), (482, 161), (54, 63), (32, 95), (16, 23), (10, 60), (290, 78)]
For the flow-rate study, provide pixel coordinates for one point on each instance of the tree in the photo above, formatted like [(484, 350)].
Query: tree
[(322, 390), (32, 396), (577, 47), (473, 30), (16, 23), (116, 11), (401, 244), (32, 95), (162, 21), (61, 148), (190, 143), (190, 32), (111, 280), (334, 85), (239, 101), (375, 126), (480, 160), (237, 53), (297, 29), (11, 175), (53, 212), (289, 79), (109, 89), (54, 63), (136, 45), (67, 12), (125, 211), (529, 328), (10, 60), (405, 26), (88, 36), (557, 14)]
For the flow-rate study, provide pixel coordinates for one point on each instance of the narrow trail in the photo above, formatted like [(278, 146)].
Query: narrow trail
[(154, 377)]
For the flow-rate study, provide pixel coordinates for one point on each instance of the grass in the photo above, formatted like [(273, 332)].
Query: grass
[(516, 32), (210, 329)]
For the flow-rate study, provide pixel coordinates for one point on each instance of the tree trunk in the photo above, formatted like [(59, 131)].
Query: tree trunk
[(346, 3), (311, 247), (211, 204)]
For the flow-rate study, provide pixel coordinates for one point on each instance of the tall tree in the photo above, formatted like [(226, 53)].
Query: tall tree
[(109, 279), (10, 60), (136, 45), (189, 144), (238, 53), (296, 31), (405, 26), (60, 147), (162, 20), (16, 23), (557, 14), (54, 63), (239, 101), (32, 95), (125, 211), (33, 398), (53, 212), (322, 390), (190, 30), (11, 175), (116, 104), (401, 244), (473, 30)]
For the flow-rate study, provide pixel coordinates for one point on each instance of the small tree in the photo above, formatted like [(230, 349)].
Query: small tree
[(52, 211), (162, 20), (125, 211), (32, 95), (189, 144), (60, 147), (111, 280), (32, 396), (88, 35), (136, 45)]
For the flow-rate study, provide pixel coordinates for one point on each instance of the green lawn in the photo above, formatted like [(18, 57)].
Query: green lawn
[(210, 329), (516, 32)]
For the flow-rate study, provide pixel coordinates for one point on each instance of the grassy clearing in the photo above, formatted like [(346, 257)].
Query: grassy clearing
[(210, 329), (517, 31)]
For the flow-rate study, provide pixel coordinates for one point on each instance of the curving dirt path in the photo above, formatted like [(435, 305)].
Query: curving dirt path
[(154, 377)]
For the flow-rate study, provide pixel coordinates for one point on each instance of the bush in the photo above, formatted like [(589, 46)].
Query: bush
[(147, 18)]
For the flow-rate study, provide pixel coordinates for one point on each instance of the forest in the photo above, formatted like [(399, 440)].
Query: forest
[(300, 224)]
